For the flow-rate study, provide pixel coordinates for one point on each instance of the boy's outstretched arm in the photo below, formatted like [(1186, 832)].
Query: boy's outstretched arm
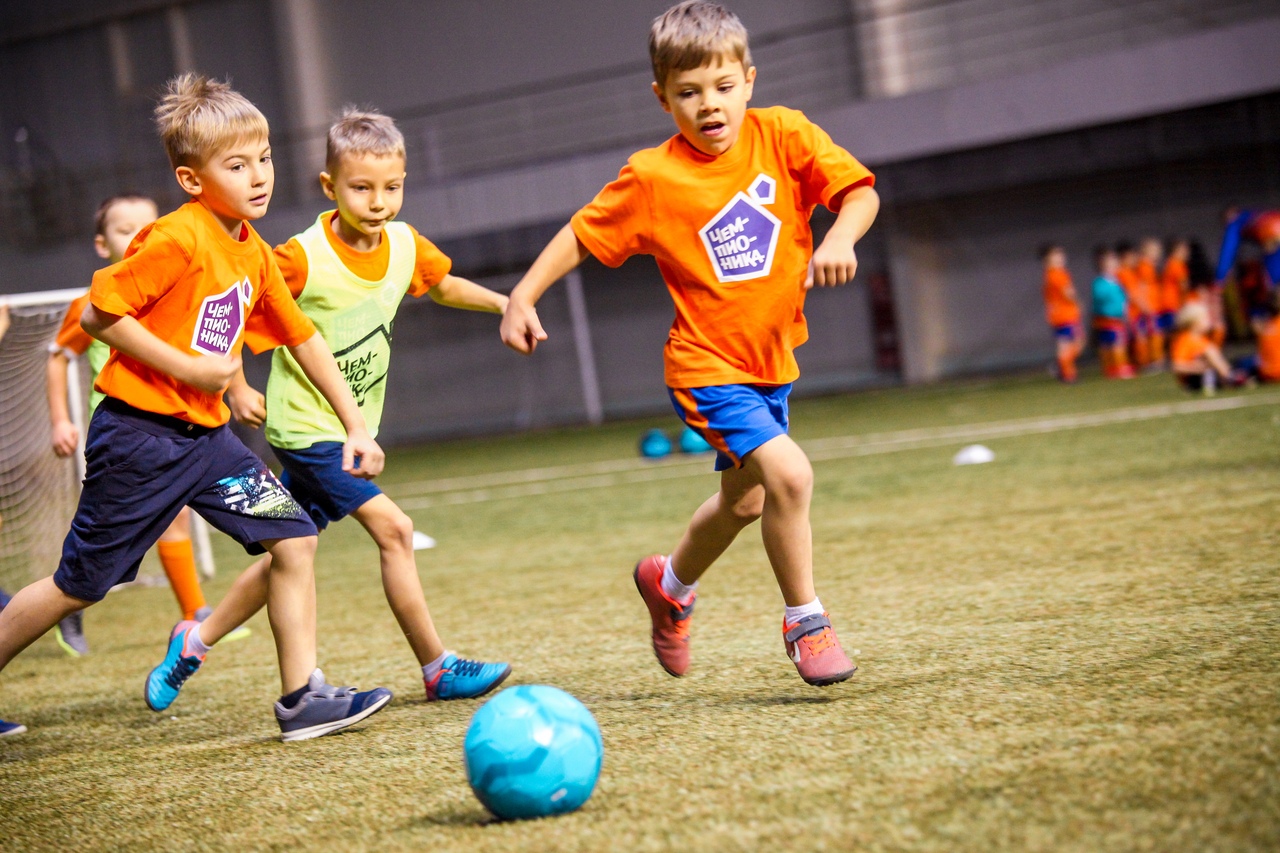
[(64, 434), (317, 363), (521, 329), (835, 262), (456, 292), (208, 373)]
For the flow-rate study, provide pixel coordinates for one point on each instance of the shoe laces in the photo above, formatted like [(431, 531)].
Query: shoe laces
[(820, 641), (466, 668), (181, 670)]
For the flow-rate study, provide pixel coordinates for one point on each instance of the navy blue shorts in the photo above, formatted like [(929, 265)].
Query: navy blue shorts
[(734, 419), (1067, 332), (314, 476), (141, 470)]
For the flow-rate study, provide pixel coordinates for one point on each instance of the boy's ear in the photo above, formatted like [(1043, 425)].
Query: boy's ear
[(188, 180), (662, 97), (326, 186), (100, 246), (750, 76)]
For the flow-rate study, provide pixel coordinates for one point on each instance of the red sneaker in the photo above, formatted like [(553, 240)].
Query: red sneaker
[(670, 617), (812, 646)]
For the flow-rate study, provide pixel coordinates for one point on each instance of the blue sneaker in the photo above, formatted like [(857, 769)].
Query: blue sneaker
[(11, 728), (179, 664), (325, 709), (459, 678), (5, 598)]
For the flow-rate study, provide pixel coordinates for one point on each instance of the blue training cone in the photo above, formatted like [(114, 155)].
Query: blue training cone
[(654, 444), (692, 442)]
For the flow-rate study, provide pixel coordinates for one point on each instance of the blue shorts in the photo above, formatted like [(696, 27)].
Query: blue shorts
[(1067, 332), (734, 419), (314, 476), (141, 469), (1165, 320), (1111, 331)]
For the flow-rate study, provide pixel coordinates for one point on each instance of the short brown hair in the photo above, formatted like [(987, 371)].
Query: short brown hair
[(100, 216), (362, 132), (693, 34), (198, 116)]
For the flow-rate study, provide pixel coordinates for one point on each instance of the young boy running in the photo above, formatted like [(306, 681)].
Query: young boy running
[(175, 312), (349, 272), (724, 207), (118, 219)]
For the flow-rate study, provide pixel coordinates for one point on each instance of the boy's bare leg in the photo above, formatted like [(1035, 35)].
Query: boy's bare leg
[(718, 522), (392, 530), (34, 610), (787, 476), (246, 597), (291, 607)]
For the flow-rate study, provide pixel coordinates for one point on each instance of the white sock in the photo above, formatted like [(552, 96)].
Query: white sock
[(675, 589), (195, 643), (795, 614), (432, 669)]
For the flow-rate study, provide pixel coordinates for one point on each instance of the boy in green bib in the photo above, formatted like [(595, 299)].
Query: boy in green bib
[(349, 272)]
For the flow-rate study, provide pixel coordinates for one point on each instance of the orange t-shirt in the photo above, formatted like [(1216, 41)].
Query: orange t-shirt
[(71, 337), (1148, 284), (1061, 308), (1269, 350), (190, 284), (430, 266), (1188, 349), (732, 240), (1128, 279), (1172, 285)]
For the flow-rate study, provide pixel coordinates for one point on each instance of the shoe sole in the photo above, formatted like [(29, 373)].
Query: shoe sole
[(16, 730), (831, 679), (635, 576), (337, 725)]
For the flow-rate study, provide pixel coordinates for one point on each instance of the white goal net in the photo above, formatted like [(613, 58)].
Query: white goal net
[(39, 491)]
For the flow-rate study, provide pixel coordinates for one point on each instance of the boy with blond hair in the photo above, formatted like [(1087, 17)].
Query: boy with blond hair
[(724, 207), (349, 273), (176, 311), (118, 219)]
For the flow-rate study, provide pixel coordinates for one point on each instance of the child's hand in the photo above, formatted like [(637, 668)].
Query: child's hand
[(247, 405), (361, 446), (65, 438), (211, 373), (520, 327), (833, 263)]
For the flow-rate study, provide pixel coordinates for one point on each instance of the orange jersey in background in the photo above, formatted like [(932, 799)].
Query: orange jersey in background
[(1128, 279), (1188, 349), (732, 240), (430, 267), (71, 337), (1173, 285), (1060, 306), (186, 281), (1269, 350), (1148, 283)]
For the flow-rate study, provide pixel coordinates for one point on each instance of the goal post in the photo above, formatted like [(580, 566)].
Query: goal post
[(38, 490)]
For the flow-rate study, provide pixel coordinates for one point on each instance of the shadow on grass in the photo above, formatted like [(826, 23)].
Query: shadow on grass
[(459, 818)]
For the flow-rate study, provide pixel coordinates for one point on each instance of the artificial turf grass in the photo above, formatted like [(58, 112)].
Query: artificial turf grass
[(1047, 663)]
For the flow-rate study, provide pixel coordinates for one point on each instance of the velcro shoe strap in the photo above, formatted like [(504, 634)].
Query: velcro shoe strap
[(806, 626)]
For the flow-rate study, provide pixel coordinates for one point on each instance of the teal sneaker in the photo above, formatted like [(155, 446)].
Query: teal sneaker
[(179, 664), (465, 679)]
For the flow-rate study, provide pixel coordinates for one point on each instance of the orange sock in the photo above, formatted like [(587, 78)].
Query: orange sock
[(1067, 368), (179, 561), (1157, 349)]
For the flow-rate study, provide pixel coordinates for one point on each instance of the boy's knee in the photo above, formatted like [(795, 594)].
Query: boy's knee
[(747, 508), (793, 482), (394, 529)]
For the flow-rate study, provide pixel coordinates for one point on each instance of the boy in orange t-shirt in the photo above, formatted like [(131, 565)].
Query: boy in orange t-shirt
[(724, 208), (1174, 283), (176, 312), (118, 220), (1139, 308), (1198, 363), (1062, 310), (1147, 270)]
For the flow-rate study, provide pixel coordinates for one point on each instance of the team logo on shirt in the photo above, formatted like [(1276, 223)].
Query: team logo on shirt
[(740, 240), (221, 319)]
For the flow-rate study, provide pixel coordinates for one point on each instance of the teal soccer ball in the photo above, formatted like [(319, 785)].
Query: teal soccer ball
[(533, 751)]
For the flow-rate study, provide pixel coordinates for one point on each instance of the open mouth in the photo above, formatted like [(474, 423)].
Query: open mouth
[(712, 128)]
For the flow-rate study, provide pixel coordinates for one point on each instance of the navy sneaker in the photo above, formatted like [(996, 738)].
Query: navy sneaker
[(459, 678), (5, 598), (11, 728), (325, 709), (179, 664), (70, 634)]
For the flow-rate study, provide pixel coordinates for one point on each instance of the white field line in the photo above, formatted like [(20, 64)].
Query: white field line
[(531, 482)]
